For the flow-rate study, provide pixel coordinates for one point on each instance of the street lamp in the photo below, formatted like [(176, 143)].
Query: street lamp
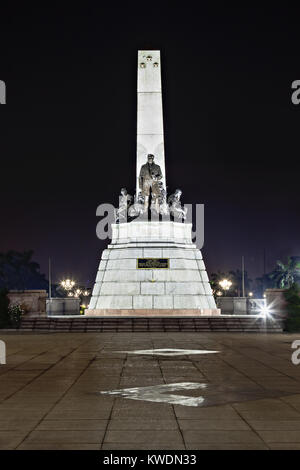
[(67, 284), (225, 284), (250, 294)]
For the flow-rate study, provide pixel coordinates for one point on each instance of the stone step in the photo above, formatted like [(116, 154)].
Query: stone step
[(209, 324)]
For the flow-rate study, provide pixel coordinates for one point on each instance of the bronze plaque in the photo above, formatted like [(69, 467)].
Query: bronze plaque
[(153, 263)]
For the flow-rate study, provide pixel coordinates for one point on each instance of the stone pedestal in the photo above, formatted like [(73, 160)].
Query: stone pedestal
[(240, 305), (233, 305), (63, 306), (122, 288)]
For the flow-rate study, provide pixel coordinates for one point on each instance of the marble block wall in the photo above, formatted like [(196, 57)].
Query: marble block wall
[(121, 285), (32, 301)]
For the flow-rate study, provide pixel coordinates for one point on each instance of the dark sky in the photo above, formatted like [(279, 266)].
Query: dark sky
[(68, 130)]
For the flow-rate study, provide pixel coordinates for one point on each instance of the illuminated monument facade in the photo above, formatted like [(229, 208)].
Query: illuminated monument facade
[(151, 267)]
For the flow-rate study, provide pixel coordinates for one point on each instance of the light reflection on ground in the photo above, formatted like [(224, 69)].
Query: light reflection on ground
[(158, 394), (169, 352)]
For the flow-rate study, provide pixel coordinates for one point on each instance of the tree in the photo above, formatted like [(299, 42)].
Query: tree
[(18, 271), (4, 305), (284, 275), (237, 279), (216, 278), (292, 321), (262, 283)]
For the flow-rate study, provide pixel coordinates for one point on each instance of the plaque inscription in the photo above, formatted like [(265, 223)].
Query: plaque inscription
[(153, 263)]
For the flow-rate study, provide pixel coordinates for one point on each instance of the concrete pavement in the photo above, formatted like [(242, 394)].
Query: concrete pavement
[(50, 392)]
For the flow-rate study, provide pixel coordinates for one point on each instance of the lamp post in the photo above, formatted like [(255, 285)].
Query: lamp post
[(50, 291), (243, 276)]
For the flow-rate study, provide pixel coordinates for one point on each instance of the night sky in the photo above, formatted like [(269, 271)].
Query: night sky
[(68, 131)]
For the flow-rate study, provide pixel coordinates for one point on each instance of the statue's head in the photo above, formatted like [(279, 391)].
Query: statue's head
[(178, 193), (124, 192), (150, 158)]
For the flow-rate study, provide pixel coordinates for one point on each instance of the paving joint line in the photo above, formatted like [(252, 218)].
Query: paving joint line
[(113, 404)]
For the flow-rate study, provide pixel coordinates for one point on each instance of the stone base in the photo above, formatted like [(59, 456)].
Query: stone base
[(208, 312), (122, 286), (63, 306)]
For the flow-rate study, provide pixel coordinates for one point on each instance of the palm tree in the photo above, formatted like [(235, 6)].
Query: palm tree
[(284, 274)]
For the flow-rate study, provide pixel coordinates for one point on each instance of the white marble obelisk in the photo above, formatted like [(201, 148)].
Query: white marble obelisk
[(151, 268), (150, 128)]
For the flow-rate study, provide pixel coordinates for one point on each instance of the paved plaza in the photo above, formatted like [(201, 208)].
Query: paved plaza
[(247, 397)]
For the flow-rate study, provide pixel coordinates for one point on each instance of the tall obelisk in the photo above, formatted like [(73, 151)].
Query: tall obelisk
[(151, 267), (150, 129)]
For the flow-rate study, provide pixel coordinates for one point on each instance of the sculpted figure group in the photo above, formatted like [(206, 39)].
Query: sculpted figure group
[(150, 186)]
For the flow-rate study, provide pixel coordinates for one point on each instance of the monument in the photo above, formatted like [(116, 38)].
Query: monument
[(151, 267)]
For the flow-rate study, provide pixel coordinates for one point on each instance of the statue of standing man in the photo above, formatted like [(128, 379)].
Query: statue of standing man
[(150, 176)]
